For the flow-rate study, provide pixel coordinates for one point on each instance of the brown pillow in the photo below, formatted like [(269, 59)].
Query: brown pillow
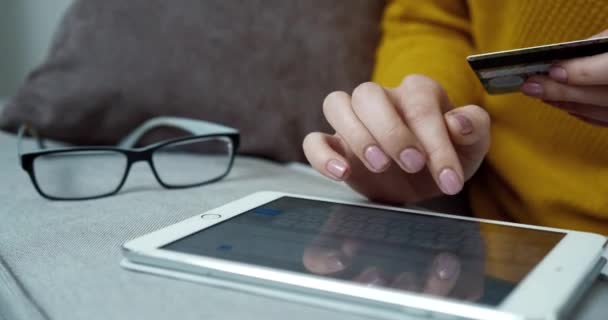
[(262, 66)]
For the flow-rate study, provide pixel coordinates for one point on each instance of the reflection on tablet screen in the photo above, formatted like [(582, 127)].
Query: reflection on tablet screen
[(463, 260)]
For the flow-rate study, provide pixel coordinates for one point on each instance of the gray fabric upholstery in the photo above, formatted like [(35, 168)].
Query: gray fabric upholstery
[(66, 254), (60, 260)]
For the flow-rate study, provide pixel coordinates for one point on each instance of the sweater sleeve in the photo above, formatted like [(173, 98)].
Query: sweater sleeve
[(433, 38)]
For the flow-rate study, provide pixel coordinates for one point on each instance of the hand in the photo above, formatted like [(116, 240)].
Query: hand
[(578, 86), (400, 145), (437, 271)]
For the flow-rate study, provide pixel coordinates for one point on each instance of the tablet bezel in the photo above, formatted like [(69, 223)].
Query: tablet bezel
[(573, 257)]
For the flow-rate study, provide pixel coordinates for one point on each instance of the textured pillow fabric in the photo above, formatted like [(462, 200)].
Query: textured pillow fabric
[(263, 66)]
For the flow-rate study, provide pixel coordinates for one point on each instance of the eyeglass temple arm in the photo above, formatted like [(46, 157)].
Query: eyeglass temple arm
[(32, 132), (195, 127)]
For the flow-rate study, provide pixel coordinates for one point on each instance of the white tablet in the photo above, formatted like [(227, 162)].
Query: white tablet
[(391, 260)]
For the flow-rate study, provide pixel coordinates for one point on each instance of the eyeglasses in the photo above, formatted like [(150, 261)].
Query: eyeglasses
[(205, 155)]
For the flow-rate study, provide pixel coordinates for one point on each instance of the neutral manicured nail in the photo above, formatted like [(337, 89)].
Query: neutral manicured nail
[(336, 168), (412, 160), (466, 125), (376, 158), (532, 89), (450, 182), (558, 74), (447, 267)]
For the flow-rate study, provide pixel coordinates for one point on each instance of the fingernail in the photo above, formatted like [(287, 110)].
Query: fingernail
[(466, 126), (376, 158), (333, 263), (450, 182), (558, 74), (336, 168), (532, 89), (412, 160), (447, 267)]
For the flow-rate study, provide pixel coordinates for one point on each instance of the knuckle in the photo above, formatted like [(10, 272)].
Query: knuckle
[(552, 93), (419, 80), (486, 120), (436, 152), (481, 115), (334, 98), (310, 140), (442, 154), (561, 93), (579, 73), (394, 133), (417, 115), (415, 78), (365, 90)]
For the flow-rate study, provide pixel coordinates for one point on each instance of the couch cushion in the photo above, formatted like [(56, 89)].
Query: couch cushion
[(65, 255), (60, 260), (263, 66)]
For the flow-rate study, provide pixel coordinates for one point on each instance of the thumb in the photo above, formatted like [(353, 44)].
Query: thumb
[(469, 129)]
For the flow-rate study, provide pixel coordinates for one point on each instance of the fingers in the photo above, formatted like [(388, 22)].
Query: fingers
[(407, 281), (469, 129), (320, 150), (421, 100), (323, 261), (583, 71), (591, 114), (371, 277), (405, 125), (442, 278), (377, 113), (327, 258), (550, 90), (327, 254), (468, 125), (591, 121), (444, 275), (580, 109), (586, 71), (340, 115), (470, 285)]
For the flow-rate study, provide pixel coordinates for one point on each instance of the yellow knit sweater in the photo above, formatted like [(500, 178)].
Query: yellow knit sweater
[(544, 167)]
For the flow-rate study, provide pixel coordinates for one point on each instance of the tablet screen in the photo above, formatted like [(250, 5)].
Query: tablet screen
[(458, 259)]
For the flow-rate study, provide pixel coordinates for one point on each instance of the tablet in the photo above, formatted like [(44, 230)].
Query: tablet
[(391, 260)]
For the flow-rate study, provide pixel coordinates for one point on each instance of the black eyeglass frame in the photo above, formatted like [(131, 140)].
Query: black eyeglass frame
[(198, 128)]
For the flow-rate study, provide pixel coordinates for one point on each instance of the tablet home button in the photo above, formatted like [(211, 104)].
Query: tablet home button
[(211, 216)]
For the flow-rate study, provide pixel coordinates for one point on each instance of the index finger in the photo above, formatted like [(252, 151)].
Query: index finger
[(444, 274), (421, 102), (586, 71), (328, 254)]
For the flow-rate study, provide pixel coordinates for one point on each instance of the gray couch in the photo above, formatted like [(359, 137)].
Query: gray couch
[(60, 260)]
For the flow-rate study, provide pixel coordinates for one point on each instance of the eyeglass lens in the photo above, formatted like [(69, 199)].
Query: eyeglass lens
[(193, 162), (79, 174)]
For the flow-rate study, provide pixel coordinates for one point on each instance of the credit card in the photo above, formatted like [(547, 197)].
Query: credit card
[(505, 71)]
